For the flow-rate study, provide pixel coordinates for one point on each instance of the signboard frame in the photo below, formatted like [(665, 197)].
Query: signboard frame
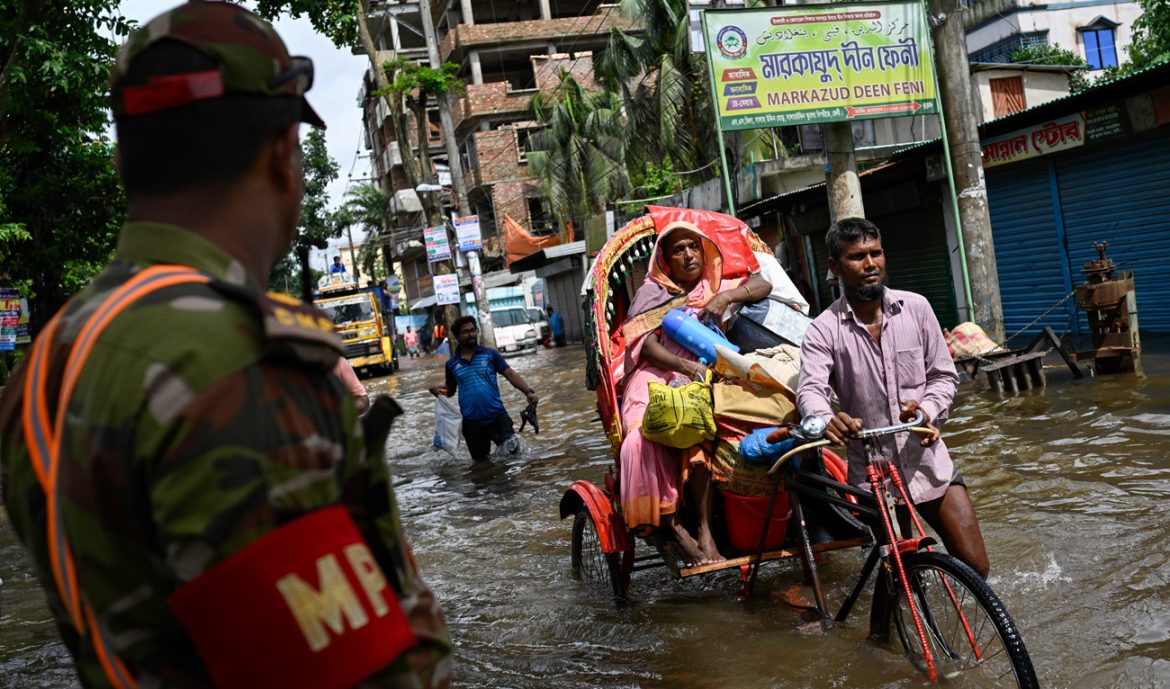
[(447, 289), (438, 244)]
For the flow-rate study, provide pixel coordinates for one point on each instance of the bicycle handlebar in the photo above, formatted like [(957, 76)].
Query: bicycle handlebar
[(865, 433), (896, 428)]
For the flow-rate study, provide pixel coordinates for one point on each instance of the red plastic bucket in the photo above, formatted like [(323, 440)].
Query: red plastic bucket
[(745, 520)]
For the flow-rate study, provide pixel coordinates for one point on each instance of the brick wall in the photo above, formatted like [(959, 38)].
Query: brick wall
[(510, 198), (548, 69), (599, 24), (498, 156), (480, 100)]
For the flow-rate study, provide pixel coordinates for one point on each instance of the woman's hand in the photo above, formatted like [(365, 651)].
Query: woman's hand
[(693, 370), (717, 306)]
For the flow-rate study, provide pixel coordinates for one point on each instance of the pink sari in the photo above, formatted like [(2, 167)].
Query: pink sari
[(652, 475)]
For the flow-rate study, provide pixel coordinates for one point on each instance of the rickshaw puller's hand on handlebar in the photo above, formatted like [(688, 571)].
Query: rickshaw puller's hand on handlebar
[(910, 408), (842, 427)]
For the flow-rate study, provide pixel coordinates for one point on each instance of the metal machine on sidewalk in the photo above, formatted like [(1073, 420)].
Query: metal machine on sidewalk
[(1110, 302)]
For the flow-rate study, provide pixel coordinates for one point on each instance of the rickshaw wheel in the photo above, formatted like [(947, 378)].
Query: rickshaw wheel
[(590, 564)]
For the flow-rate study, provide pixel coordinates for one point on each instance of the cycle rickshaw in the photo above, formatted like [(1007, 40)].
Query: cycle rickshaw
[(945, 617)]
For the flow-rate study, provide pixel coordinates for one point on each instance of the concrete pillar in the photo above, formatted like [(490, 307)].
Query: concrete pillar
[(468, 16), (842, 182), (959, 115), (395, 40), (545, 10), (476, 67)]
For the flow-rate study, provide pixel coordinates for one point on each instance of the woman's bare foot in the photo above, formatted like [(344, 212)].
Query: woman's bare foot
[(696, 553)]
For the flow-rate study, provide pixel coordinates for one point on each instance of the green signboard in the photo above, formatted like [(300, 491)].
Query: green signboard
[(803, 64)]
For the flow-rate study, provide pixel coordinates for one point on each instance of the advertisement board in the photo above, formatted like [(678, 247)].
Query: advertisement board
[(467, 233), (438, 246), (447, 289), (807, 64), (10, 311)]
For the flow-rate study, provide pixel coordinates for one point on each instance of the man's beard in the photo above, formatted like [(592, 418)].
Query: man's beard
[(865, 292)]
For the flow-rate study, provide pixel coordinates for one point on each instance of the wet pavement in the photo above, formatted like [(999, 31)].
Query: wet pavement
[(1069, 483)]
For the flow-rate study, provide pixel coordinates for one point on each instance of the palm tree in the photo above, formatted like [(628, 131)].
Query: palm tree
[(663, 85), (579, 152), (369, 206)]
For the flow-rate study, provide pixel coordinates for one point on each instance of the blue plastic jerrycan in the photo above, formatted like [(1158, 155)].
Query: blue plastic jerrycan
[(699, 339)]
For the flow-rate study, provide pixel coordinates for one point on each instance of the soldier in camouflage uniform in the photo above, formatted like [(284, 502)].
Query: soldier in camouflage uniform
[(191, 481)]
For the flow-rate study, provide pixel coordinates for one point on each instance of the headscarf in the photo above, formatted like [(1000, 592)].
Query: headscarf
[(660, 293), (660, 288)]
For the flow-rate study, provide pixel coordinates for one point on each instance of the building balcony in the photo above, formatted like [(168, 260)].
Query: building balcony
[(486, 100), (455, 44)]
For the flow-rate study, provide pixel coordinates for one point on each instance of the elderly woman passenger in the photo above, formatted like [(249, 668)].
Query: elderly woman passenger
[(685, 266)]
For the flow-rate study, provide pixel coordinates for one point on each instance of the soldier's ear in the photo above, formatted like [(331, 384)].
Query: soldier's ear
[(284, 162)]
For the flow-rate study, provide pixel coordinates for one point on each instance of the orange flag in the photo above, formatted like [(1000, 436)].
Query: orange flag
[(519, 243)]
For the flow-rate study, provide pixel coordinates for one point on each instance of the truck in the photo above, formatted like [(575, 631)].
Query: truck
[(367, 331)]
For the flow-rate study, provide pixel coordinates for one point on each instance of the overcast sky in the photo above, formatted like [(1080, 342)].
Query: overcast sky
[(337, 78)]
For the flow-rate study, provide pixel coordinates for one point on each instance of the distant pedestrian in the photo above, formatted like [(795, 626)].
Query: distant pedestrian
[(424, 337), (411, 339), (557, 324), (471, 372), (338, 266)]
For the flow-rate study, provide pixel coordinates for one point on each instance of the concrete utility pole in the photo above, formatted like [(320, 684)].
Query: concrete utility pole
[(842, 182), (950, 49), (487, 333)]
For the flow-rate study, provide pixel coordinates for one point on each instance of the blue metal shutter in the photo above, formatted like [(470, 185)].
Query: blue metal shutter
[(1029, 254), (1120, 193)]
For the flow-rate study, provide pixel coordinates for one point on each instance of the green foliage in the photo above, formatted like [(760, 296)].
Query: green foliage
[(579, 153), (420, 81), (336, 19), (663, 86), (60, 201), (369, 206), (1150, 43), (656, 179), (318, 224), (1078, 79)]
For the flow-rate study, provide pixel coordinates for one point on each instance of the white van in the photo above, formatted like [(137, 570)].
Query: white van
[(514, 330)]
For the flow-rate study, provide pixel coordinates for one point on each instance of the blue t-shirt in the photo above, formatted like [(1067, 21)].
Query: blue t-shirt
[(475, 380), (555, 322)]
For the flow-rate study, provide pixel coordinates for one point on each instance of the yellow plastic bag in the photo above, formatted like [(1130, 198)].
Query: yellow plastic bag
[(679, 417)]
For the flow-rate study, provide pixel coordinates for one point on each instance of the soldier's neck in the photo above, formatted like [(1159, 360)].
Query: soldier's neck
[(242, 231)]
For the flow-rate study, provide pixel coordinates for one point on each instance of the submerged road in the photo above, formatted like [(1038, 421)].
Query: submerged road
[(1071, 484)]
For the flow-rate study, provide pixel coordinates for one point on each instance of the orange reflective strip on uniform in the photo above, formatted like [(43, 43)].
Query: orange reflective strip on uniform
[(113, 666), (41, 452), (44, 438)]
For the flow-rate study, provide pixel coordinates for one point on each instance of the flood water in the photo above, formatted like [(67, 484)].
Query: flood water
[(1069, 484)]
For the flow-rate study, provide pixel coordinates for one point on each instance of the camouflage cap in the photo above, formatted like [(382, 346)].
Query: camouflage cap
[(250, 57)]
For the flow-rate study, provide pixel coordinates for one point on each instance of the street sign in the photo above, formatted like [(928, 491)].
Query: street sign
[(805, 64), (438, 246), (467, 234), (447, 289)]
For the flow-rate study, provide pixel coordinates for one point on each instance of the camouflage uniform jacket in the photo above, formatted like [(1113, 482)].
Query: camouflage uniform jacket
[(198, 425)]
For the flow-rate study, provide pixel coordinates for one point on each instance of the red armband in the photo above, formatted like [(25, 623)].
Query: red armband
[(305, 606)]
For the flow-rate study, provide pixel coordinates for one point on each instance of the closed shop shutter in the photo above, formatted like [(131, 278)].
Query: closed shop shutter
[(565, 294), (916, 259), (1029, 254), (915, 241), (1120, 193)]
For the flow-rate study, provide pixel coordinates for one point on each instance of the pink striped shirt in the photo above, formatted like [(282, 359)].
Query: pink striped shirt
[(911, 363)]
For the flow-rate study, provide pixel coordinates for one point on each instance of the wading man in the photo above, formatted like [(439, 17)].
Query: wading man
[(201, 502), (471, 371), (882, 351)]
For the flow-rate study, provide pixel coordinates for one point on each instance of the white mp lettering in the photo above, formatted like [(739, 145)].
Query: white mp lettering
[(318, 609), (369, 575)]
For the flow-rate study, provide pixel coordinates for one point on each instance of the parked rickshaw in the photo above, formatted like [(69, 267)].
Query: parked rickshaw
[(946, 618)]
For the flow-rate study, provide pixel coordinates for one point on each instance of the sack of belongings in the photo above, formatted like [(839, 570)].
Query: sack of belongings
[(679, 417)]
